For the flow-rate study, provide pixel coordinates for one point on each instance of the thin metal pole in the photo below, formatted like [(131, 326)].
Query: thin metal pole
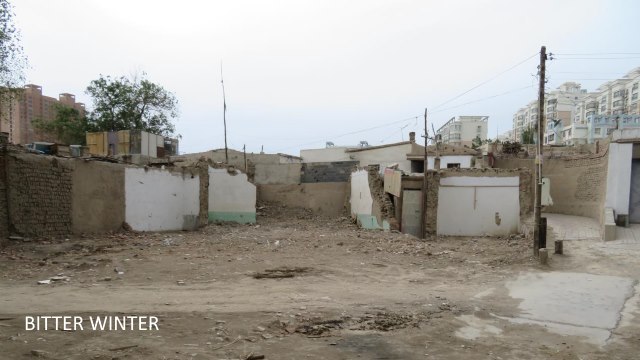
[(224, 117), (424, 180)]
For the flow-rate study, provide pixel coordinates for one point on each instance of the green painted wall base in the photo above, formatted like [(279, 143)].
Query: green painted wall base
[(370, 222), (236, 217)]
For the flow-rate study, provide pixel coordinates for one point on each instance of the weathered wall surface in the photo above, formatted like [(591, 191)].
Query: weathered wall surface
[(231, 197), (323, 198), (463, 160), (158, 200), (337, 153), (578, 184), (384, 156), (361, 201), (360, 197), (39, 195), (433, 184), (327, 172), (277, 173), (98, 199)]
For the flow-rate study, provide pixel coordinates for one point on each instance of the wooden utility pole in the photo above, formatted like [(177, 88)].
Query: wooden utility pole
[(224, 117), (424, 180), (539, 157)]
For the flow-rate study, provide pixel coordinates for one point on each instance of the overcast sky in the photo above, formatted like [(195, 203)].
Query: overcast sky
[(300, 73)]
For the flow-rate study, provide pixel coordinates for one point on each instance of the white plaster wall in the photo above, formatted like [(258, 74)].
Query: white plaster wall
[(157, 200), (144, 143), (385, 156), (230, 193), (361, 200), (324, 155), (463, 160), (467, 206), (619, 178)]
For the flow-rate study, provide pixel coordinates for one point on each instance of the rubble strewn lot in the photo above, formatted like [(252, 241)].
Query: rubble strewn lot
[(294, 286)]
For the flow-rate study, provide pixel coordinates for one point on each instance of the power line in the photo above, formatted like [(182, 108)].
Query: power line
[(485, 98), (597, 54), (596, 58), (487, 81), (586, 72), (351, 133)]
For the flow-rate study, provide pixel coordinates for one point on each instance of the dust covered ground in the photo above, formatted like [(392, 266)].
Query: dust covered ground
[(293, 286)]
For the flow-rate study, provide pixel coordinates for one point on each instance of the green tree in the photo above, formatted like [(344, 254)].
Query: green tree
[(12, 59), (132, 104), (476, 142), (528, 135), (68, 127)]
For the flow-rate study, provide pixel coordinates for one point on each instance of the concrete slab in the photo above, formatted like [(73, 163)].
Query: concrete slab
[(476, 328), (576, 304), (568, 227), (627, 240)]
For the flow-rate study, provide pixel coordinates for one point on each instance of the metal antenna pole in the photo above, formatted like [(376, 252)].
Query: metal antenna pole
[(224, 117), (424, 179)]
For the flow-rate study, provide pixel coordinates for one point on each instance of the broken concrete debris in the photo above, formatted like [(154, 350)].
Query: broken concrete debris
[(282, 272), (57, 278)]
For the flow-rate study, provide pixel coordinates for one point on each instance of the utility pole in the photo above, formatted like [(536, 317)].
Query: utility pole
[(224, 117), (538, 205), (424, 180)]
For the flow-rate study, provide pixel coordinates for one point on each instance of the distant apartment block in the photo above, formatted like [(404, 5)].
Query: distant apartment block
[(461, 130), (508, 135), (17, 116), (575, 116)]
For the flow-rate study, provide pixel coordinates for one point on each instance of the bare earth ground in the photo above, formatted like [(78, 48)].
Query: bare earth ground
[(295, 286)]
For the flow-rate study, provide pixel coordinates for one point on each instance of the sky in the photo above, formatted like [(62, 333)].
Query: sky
[(300, 73)]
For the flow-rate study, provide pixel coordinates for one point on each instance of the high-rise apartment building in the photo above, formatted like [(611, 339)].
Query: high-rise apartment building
[(17, 115), (575, 116), (461, 130)]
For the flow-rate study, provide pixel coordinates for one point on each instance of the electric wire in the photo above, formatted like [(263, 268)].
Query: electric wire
[(487, 81)]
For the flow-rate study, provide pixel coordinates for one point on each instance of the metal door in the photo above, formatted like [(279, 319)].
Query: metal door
[(634, 198), (411, 209)]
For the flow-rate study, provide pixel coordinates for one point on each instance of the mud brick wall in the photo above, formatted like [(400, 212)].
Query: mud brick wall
[(578, 183), (338, 171), (39, 195)]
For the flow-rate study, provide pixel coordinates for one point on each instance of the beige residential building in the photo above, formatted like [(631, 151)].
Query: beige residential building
[(525, 118), (461, 130), (17, 116), (575, 116)]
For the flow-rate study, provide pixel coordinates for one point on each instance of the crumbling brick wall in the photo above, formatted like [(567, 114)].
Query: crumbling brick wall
[(383, 208), (39, 195), (433, 185), (202, 168)]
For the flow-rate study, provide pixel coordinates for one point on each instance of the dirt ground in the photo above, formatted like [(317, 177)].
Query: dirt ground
[(293, 286)]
